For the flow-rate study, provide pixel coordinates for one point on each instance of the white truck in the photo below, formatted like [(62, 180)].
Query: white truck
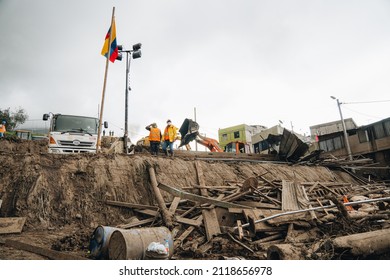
[(72, 134)]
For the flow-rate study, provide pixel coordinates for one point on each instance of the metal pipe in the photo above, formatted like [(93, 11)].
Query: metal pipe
[(126, 100), (313, 209), (344, 130)]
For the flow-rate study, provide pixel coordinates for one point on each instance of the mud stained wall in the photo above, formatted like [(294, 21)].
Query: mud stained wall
[(56, 190)]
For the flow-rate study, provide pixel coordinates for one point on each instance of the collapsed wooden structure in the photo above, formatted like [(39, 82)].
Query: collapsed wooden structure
[(275, 218)]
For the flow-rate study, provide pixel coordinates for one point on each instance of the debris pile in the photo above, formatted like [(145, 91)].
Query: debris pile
[(272, 218)]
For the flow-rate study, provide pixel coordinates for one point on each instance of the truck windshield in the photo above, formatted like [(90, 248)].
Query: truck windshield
[(64, 123)]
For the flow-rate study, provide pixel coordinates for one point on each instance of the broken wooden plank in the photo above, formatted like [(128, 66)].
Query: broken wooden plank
[(137, 223), (211, 223), (198, 198), (174, 205), (147, 212), (240, 230), (289, 196), (131, 205), (186, 233), (204, 248), (251, 215), (51, 254), (191, 222), (12, 225)]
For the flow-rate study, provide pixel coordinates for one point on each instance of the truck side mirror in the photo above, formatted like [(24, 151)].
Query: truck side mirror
[(105, 124), (45, 117)]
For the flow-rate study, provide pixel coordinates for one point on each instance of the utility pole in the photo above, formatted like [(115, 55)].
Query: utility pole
[(344, 130), (196, 144)]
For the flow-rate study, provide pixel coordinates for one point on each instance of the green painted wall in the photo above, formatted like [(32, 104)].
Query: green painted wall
[(229, 131)]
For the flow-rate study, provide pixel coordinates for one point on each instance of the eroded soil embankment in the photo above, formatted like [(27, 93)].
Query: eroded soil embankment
[(57, 190)]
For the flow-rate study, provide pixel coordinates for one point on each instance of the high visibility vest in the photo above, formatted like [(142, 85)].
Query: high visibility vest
[(155, 134), (2, 128), (170, 133)]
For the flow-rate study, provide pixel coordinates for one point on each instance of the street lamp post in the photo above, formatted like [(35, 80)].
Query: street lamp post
[(136, 53), (344, 129)]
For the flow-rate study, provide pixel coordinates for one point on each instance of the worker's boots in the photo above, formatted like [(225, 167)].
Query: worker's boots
[(171, 153)]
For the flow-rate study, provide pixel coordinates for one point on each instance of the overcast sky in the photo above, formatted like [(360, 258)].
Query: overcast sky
[(235, 61)]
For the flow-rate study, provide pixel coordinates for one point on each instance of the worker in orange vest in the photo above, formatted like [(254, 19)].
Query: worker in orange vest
[(154, 138), (2, 129), (169, 137)]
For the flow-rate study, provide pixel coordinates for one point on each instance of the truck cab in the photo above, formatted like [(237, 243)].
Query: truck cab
[(72, 134)]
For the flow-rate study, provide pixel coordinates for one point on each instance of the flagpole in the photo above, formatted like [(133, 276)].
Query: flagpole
[(105, 82)]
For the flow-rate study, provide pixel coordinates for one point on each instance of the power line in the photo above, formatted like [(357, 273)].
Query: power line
[(376, 101), (371, 116)]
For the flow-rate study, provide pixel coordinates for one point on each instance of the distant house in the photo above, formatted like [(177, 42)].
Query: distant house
[(238, 137), (288, 145), (332, 127), (260, 140), (371, 141)]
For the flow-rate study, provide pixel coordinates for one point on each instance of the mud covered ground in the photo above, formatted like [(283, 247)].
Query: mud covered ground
[(63, 196)]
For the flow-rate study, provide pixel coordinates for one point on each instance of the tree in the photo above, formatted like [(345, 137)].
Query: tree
[(13, 118)]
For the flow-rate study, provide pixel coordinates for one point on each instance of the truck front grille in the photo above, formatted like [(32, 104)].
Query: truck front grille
[(83, 144)]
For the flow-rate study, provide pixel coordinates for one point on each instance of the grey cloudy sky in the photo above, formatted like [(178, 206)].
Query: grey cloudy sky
[(235, 61)]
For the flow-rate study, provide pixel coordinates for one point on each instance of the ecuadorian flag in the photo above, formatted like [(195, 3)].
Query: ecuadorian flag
[(113, 48)]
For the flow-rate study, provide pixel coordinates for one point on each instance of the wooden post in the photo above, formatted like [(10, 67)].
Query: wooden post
[(362, 244), (104, 83), (166, 214)]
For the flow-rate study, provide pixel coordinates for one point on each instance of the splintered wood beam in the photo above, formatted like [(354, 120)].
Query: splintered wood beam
[(198, 198), (167, 216)]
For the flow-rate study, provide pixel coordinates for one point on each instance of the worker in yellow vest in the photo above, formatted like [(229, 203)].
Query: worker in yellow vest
[(169, 137), (2, 129), (154, 138)]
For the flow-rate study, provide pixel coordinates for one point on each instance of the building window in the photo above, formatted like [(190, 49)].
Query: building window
[(379, 131), (236, 134), (363, 136), (224, 137), (386, 124), (337, 143), (332, 144)]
